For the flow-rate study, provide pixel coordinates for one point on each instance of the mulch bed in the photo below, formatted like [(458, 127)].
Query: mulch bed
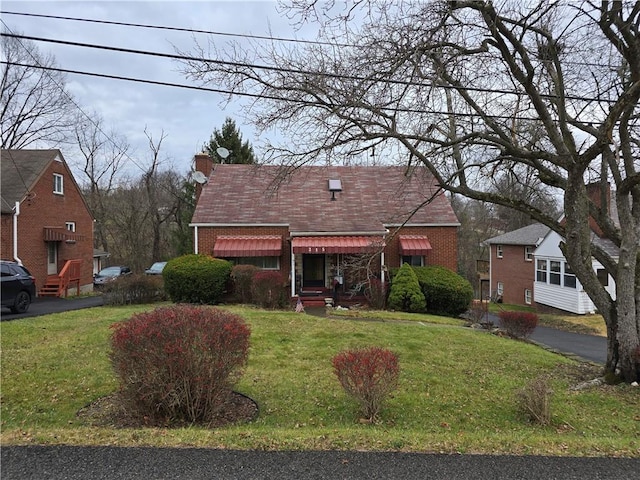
[(110, 411)]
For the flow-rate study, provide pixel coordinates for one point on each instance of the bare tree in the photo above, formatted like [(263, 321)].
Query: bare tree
[(35, 105), (471, 89), (101, 160)]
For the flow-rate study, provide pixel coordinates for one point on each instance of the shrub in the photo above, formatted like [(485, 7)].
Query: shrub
[(405, 294), (134, 289), (369, 375), (196, 279), (446, 292), (269, 289), (179, 363), (534, 400), (518, 324), (242, 278)]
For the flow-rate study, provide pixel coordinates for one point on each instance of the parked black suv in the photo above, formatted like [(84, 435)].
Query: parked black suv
[(18, 286)]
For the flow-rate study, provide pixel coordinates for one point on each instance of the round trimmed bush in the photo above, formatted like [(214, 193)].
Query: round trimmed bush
[(447, 293), (196, 279), (405, 294), (178, 364)]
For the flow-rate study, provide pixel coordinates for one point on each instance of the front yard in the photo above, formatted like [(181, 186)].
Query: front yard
[(457, 389)]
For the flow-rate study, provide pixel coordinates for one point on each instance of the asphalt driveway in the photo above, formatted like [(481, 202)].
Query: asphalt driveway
[(47, 305)]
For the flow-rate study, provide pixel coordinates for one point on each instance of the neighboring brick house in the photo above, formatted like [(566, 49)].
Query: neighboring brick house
[(316, 220), (512, 266), (54, 234)]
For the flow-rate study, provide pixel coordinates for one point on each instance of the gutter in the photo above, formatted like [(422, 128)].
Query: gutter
[(15, 233)]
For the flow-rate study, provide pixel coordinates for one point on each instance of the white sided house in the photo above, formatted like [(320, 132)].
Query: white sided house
[(556, 285)]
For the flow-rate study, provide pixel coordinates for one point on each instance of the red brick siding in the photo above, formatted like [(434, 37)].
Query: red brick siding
[(46, 209), (515, 273), (207, 239), (444, 243), (444, 246)]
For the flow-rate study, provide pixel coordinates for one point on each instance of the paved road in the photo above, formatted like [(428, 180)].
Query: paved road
[(47, 305), (96, 463)]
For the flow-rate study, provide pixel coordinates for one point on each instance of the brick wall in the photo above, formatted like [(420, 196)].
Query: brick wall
[(42, 209), (514, 271), (444, 243), (444, 246)]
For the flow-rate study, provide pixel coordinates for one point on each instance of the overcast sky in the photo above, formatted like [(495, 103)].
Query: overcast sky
[(187, 117)]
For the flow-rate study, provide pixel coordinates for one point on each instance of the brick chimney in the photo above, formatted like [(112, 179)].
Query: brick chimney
[(595, 193), (204, 164)]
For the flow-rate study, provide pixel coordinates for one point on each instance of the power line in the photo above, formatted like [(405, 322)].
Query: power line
[(261, 96), (282, 69), (179, 29)]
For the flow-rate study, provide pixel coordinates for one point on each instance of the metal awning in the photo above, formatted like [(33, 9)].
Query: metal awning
[(61, 234), (414, 245), (342, 244), (228, 246)]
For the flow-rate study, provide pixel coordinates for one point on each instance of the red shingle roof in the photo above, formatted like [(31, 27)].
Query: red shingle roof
[(371, 199)]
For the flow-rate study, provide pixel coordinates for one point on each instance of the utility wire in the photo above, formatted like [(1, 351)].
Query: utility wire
[(180, 29), (281, 69), (262, 96)]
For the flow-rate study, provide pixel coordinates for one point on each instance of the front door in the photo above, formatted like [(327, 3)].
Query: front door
[(313, 270), (52, 258)]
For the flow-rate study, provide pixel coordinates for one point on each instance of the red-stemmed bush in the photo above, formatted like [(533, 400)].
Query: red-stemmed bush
[(178, 364), (269, 289), (242, 278), (369, 375), (518, 324)]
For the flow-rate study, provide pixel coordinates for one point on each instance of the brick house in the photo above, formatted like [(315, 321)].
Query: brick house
[(316, 221), (511, 264), (46, 224)]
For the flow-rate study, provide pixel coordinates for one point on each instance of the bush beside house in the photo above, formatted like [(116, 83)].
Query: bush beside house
[(446, 292), (405, 294), (196, 278)]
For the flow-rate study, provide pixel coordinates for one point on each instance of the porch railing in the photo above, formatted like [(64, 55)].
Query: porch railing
[(68, 276)]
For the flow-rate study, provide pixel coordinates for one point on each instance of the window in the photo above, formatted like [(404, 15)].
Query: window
[(541, 271), (71, 226), (413, 260), (569, 276), (603, 276), (499, 251), (554, 272), (500, 289), (265, 263), (528, 253), (58, 184), (527, 296)]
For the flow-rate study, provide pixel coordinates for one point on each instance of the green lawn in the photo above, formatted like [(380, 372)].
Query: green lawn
[(457, 389)]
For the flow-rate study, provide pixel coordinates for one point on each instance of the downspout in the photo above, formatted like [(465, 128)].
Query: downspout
[(15, 233), (195, 239), (293, 273)]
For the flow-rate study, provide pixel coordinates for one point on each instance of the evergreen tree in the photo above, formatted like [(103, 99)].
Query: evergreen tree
[(231, 139)]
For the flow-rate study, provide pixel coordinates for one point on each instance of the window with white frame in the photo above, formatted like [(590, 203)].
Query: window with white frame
[(554, 272), (528, 253), (499, 251), (527, 296), (569, 276), (541, 271), (500, 288), (265, 263), (58, 184), (71, 226), (413, 260)]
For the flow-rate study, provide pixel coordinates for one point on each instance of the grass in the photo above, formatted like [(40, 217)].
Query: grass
[(457, 389)]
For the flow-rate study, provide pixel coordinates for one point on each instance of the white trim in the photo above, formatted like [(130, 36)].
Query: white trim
[(195, 239), (402, 225), (55, 184), (231, 225), (338, 234)]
